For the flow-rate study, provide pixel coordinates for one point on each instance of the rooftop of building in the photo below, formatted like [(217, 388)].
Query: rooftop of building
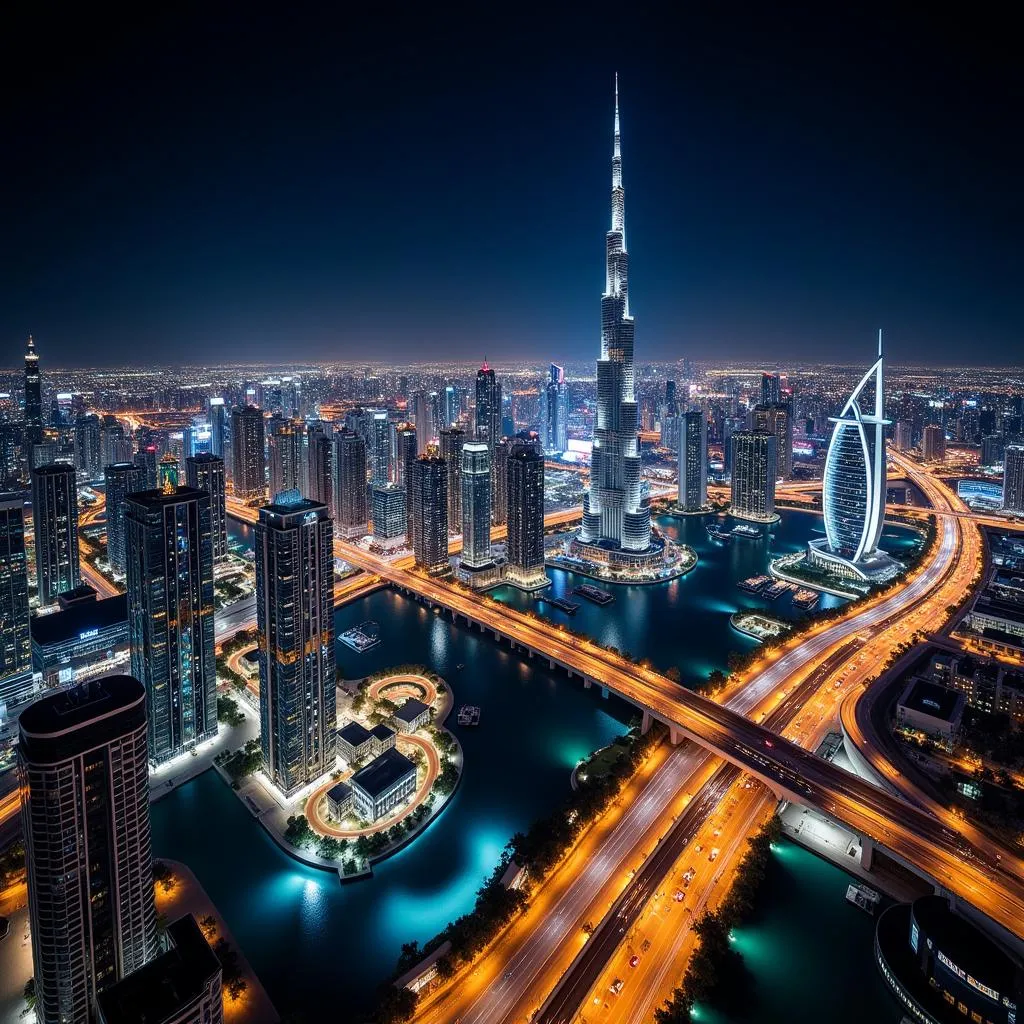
[(339, 791), (286, 505), (1000, 636), (411, 710), (354, 734), (70, 624), (157, 992), (933, 699), (169, 497), (382, 732), (383, 772), (989, 604)]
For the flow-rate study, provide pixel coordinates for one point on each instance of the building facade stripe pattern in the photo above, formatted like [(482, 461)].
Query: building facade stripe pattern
[(616, 512)]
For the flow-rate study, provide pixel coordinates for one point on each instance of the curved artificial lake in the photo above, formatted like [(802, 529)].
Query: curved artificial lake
[(305, 934)]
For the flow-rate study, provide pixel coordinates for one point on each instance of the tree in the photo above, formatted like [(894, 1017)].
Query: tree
[(29, 992), (674, 674), (329, 848), (395, 1005), (208, 926)]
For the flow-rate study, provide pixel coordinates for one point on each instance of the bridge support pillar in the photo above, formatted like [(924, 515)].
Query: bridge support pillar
[(551, 663), (646, 722), (587, 683), (867, 853), (497, 636), (675, 735), (604, 692)]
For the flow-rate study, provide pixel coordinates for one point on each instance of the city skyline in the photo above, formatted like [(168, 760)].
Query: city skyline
[(796, 213)]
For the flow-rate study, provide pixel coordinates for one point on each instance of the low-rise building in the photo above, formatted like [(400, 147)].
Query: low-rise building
[(987, 685), (383, 784), (932, 710), (85, 640), (181, 986), (339, 801), (355, 742), (412, 715)]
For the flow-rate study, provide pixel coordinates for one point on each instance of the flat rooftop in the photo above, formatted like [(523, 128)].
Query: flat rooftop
[(382, 733), (70, 624), (382, 773), (411, 710), (930, 698), (354, 734), (66, 710), (339, 792)]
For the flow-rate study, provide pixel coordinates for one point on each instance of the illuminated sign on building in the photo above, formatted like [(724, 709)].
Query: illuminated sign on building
[(963, 975), (88, 633)]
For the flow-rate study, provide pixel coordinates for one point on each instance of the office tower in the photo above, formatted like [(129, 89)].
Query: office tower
[(670, 398), (452, 441), (182, 985), (426, 427), (295, 623), (379, 447), (122, 479), (454, 399), (168, 471), (525, 546), (556, 425), (854, 486), (285, 446), (777, 419), (1013, 479), (408, 451), (476, 505), (170, 615), (349, 484), (248, 465), (387, 506), (754, 462), (771, 389), (693, 461), (88, 454), (904, 436), (933, 444), (85, 816), (993, 447), (33, 395), (217, 418), (488, 406), (11, 455), (115, 445), (206, 473), (499, 483), (616, 511), (145, 459), (15, 632), (55, 522), (317, 476), (430, 514)]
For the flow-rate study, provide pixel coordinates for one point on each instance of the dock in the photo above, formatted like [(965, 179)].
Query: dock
[(863, 897), (469, 714), (592, 593), (754, 584)]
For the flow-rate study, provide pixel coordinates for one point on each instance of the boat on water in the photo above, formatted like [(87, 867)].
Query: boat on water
[(594, 594), (716, 531), (746, 530), (776, 590), (863, 897), (561, 603), (754, 584), (805, 598), (469, 714)]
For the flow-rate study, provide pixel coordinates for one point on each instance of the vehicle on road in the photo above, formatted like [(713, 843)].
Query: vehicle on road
[(679, 896), (714, 853), (616, 986), (634, 960)]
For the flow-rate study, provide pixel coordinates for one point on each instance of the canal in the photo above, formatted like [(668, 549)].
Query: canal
[(307, 936)]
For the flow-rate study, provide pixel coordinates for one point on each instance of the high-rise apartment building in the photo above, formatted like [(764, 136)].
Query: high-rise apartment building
[(33, 396), (145, 459), (488, 406), (754, 464), (15, 634), (426, 427), (933, 443), (217, 427), (904, 435), (122, 479), (82, 759), (499, 483), (55, 523), (777, 419), (408, 452), (170, 615), (248, 462), (556, 412), (350, 511), (452, 441), (525, 545), (285, 446), (206, 473), (295, 623), (115, 444), (388, 511), (1013, 479), (430, 514), (88, 452), (693, 461), (379, 446), (476, 506), (771, 389), (318, 475)]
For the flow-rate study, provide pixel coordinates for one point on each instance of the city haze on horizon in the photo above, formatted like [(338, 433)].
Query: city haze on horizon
[(785, 185)]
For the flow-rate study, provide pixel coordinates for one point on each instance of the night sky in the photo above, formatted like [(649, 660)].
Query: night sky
[(191, 185)]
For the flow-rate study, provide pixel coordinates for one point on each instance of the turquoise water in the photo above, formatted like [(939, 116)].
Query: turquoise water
[(302, 930)]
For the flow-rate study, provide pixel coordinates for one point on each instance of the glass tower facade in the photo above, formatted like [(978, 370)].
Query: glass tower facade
[(476, 505), (206, 473), (15, 633), (55, 521), (693, 461), (525, 546), (122, 479)]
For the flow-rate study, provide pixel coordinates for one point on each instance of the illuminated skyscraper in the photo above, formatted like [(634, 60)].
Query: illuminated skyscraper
[(854, 486), (488, 406), (754, 461), (616, 509), (933, 443), (15, 634), (145, 459), (777, 419), (248, 462), (379, 446), (499, 483), (525, 546), (693, 461), (217, 418), (317, 483), (33, 396), (285, 446), (388, 511), (430, 514), (295, 621), (771, 389), (169, 554), (350, 511), (556, 410), (426, 426), (476, 506), (88, 453), (408, 450), (452, 441), (122, 479), (55, 522), (206, 473), (85, 816), (115, 444), (1013, 479)]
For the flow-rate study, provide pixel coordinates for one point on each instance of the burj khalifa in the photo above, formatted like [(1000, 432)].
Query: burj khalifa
[(616, 510)]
